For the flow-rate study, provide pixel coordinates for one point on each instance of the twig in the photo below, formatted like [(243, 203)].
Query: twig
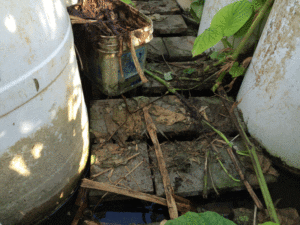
[(168, 65), (255, 215), (205, 174), (131, 193), (81, 198), (98, 174), (212, 181), (119, 180), (257, 168), (162, 165), (217, 157), (79, 58), (246, 183), (133, 178), (120, 59), (135, 59)]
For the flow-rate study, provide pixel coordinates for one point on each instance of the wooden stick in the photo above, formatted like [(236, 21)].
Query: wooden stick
[(230, 152), (131, 193), (135, 59), (162, 165), (82, 203), (120, 53)]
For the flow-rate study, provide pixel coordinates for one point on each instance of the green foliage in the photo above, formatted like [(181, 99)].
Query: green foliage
[(236, 70), (129, 2), (196, 9), (191, 218), (189, 70), (227, 21), (241, 32), (207, 39), (232, 17), (269, 223), (218, 81), (217, 55)]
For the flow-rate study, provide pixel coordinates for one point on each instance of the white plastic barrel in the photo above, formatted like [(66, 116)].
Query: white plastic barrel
[(211, 7), (43, 118), (270, 92)]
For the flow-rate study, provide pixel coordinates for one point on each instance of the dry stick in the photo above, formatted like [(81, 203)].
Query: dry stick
[(98, 174), (131, 193), (254, 159), (246, 183), (128, 170), (205, 174), (212, 181), (120, 59), (135, 59), (118, 182), (82, 206), (162, 165), (79, 58)]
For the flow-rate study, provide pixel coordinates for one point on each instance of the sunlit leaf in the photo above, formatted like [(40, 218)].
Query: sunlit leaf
[(236, 70), (204, 41), (232, 17), (200, 219)]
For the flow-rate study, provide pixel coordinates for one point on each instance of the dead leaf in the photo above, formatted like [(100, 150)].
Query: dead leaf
[(246, 62), (166, 116), (203, 113)]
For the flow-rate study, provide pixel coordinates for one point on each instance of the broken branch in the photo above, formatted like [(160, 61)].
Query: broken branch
[(162, 165), (131, 193)]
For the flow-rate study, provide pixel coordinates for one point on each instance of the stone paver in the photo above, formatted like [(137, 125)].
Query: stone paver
[(156, 48), (161, 7), (179, 48), (185, 162), (183, 78), (171, 24), (177, 121), (184, 4), (140, 179)]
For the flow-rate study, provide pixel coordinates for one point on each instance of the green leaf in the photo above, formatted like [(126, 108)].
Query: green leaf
[(196, 9), (232, 17), (129, 2), (191, 218), (168, 76), (236, 70), (189, 70), (269, 223), (218, 56), (241, 32), (204, 41)]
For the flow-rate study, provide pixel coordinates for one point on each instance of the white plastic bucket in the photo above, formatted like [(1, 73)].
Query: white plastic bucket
[(43, 119), (270, 99)]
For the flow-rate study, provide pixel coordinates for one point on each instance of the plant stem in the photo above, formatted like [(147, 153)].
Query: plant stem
[(257, 168), (170, 89), (254, 24)]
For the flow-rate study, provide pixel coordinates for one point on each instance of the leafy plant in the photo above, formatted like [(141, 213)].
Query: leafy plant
[(238, 19), (196, 9), (226, 22), (129, 2), (191, 218), (200, 219)]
